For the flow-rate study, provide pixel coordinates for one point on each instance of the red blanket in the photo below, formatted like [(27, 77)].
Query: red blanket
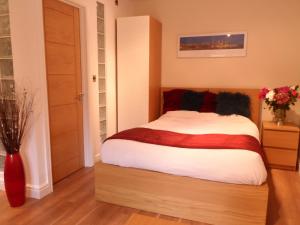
[(205, 141)]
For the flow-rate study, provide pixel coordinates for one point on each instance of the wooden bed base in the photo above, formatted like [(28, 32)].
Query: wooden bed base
[(183, 197)]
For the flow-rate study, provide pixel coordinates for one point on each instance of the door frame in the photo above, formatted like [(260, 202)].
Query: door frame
[(87, 146)]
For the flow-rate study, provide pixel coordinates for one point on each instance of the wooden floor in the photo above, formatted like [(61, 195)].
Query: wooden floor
[(72, 203)]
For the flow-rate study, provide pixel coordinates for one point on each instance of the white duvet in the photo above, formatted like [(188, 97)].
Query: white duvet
[(225, 165)]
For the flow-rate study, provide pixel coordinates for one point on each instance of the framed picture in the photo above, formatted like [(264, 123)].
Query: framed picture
[(230, 44)]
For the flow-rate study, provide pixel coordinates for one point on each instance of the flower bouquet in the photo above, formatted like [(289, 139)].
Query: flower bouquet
[(279, 100), (15, 110)]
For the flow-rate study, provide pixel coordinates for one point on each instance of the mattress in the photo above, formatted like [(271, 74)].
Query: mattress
[(238, 166)]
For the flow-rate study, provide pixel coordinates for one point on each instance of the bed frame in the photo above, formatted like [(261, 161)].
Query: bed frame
[(185, 197)]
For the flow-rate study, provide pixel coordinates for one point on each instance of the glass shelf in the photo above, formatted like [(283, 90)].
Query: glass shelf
[(100, 10), (4, 7), (4, 26), (102, 113), (5, 48), (6, 78), (6, 68), (100, 26)]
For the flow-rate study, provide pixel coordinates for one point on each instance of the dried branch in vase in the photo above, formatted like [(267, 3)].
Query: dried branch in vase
[(15, 110)]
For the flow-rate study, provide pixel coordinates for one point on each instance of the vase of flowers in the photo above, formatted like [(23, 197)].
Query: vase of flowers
[(279, 116), (279, 100), (15, 110)]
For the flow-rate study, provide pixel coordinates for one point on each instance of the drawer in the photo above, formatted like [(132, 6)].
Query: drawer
[(280, 139), (282, 157)]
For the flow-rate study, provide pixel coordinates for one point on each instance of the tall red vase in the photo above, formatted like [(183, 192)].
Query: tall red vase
[(14, 179)]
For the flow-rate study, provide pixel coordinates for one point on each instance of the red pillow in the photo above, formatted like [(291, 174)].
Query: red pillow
[(209, 103), (173, 100)]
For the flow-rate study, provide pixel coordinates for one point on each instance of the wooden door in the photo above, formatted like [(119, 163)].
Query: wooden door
[(62, 45)]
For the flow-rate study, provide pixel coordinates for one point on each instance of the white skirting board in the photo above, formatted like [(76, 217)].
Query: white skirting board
[(38, 191), (32, 191), (97, 157), (1, 180)]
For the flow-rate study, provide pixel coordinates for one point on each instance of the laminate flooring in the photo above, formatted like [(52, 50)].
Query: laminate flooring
[(73, 203)]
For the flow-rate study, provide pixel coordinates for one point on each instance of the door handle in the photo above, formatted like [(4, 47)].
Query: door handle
[(79, 96)]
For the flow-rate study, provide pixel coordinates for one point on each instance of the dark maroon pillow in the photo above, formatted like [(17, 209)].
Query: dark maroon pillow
[(192, 100), (173, 100), (209, 104)]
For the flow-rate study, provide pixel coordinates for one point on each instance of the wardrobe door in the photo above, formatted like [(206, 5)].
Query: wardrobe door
[(133, 71)]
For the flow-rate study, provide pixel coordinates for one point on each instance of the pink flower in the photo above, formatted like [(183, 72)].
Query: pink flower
[(282, 98), (263, 92), (294, 93), (284, 89)]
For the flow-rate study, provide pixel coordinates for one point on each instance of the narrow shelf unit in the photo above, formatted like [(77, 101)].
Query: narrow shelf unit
[(101, 71)]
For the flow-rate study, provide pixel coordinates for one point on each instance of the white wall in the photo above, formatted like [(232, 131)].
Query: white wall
[(273, 43), (30, 72)]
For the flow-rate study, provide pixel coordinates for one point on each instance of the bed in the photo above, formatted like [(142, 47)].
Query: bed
[(167, 181)]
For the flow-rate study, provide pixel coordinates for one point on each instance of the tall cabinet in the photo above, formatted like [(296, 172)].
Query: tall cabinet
[(139, 70)]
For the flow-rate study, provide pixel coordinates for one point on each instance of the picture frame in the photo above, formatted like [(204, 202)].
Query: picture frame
[(229, 44)]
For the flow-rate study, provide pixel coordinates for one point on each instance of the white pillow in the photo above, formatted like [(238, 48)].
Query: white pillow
[(182, 114)]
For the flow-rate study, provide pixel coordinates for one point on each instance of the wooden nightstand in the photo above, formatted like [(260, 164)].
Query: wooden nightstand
[(280, 144)]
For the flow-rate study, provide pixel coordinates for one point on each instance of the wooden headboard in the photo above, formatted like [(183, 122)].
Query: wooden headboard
[(255, 105)]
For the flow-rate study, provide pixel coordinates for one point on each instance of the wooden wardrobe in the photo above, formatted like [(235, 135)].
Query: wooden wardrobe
[(139, 70)]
